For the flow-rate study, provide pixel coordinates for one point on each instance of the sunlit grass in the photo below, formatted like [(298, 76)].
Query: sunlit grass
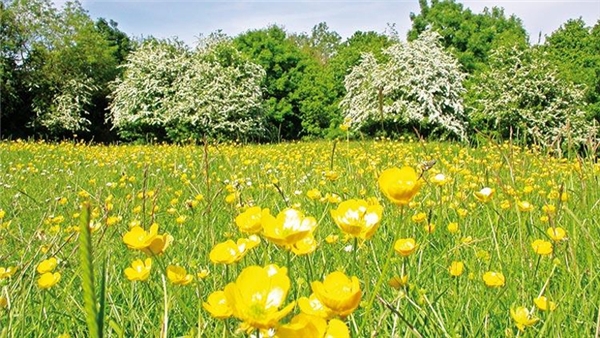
[(495, 211)]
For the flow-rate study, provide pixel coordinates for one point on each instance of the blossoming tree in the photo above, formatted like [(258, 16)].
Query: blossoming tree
[(417, 82)]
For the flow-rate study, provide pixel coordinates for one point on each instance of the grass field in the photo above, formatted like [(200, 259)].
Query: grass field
[(487, 224)]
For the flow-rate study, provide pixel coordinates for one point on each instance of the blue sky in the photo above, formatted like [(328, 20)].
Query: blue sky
[(188, 19)]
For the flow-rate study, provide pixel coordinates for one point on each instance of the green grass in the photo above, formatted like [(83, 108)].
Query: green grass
[(40, 183)]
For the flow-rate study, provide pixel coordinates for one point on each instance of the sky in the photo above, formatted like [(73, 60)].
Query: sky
[(189, 19)]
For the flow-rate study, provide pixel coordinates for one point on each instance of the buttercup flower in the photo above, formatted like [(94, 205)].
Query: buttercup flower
[(525, 206), (289, 227), (544, 304), (47, 265), (405, 246), (303, 325), (542, 247), (312, 306), (48, 280), (456, 268), (439, 179), (7, 272), (400, 185), (148, 241), (337, 329), (178, 276), (494, 279), (305, 246), (398, 281), (250, 221), (229, 252), (338, 292), (419, 217), (522, 317), (556, 233), (217, 305), (256, 296), (139, 270), (357, 218), (484, 195)]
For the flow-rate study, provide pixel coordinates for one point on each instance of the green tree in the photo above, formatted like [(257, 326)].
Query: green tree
[(61, 61), (282, 61), (469, 36), (575, 50)]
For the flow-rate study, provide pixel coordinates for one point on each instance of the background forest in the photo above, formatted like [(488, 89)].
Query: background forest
[(456, 74)]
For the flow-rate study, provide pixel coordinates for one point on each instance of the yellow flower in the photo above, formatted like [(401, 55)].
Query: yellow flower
[(7, 272), (305, 246), (139, 271), (256, 296), (312, 306), (544, 304), (357, 218), (522, 317), (178, 276), (227, 252), (330, 239), (48, 280), (203, 274), (3, 302), (289, 227), (556, 234), (525, 206), (400, 185), (2, 214), (47, 265), (405, 246), (484, 195), (542, 247), (217, 306), (549, 209), (419, 217), (250, 221), (337, 329), (338, 292), (138, 239), (456, 268), (429, 228), (505, 204), (112, 220), (494, 279), (303, 325), (452, 227), (148, 241), (398, 281), (439, 179), (331, 175), (313, 194)]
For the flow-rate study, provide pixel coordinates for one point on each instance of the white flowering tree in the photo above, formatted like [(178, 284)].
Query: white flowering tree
[(140, 99), (210, 91), (417, 82), (521, 95)]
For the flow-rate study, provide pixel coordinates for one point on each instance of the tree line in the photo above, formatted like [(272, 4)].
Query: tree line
[(455, 75)]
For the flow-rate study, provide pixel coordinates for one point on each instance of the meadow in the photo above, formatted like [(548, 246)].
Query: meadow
[(299, 239)]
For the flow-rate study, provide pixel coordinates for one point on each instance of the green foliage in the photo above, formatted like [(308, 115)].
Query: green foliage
[(283, 63), (575, 50), (522, 96), (57, 62), (418, 83), (469, 36)]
